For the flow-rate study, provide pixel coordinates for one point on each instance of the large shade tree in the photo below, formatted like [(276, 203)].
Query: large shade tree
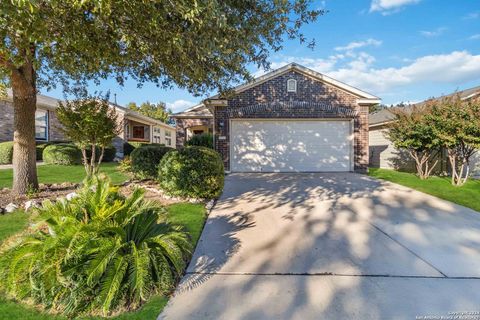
[(157, 111), (195, 44)]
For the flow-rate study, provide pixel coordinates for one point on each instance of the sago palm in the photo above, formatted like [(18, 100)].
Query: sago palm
[(94, 254)]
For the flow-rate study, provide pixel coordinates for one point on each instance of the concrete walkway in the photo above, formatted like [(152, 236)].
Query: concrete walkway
[(330, 246)]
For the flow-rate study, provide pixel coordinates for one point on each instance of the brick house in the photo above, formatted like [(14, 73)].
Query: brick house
[(292, 119), (195, 120), (135, 126)]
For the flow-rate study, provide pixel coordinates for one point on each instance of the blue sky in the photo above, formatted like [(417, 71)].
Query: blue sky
[(399, 50)]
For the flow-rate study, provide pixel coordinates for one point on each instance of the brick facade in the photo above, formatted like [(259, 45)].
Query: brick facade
[(310, 92), (184, 123), (6, 123)]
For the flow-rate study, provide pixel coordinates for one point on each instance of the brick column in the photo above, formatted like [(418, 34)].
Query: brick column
[(361, 140)]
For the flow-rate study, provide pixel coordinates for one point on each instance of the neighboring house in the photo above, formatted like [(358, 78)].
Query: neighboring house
[(292, 119), (135, 126), (382, 152), (195, 120)]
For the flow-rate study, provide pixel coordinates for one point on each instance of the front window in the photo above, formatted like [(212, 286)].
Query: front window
[(168, 138), (41, 124), (138, 132)]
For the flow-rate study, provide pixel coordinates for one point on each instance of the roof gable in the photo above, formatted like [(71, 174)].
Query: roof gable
[(309, 73)]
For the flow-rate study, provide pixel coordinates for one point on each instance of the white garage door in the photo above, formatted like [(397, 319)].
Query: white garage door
[(291, 145)]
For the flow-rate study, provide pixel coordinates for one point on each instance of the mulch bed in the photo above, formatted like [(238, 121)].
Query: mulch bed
[(46, 191), (54, 191)]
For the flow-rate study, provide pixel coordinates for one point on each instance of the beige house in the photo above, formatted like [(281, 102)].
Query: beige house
[(382, 153), (135, 126)]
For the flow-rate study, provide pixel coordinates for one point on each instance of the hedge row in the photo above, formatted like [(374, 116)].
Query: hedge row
[(6, 152)]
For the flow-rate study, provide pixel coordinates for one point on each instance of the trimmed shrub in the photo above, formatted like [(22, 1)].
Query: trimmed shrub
[(62, 153), (194, 172), (201, 140), (128, 147), (145, 160), (41, 145), (6, 152)]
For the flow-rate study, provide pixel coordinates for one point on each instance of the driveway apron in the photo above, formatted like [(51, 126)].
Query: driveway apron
[(330, 246)]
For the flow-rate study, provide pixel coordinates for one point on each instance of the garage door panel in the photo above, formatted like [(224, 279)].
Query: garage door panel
[(291, 146)]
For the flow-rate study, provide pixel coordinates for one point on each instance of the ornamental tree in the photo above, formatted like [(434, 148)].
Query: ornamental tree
[(91, 123), (199, 45), (411, 131), (457, 124)]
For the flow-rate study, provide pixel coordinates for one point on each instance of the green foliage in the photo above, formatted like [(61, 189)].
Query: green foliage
[(201, 140), (39, 149), (93, 39), (411, 130), (128, 147), (157, 111), (62, 153), (457, 124), (91, 123), (145, 160), (195, 172), (41, 145), (125, 165), (108, 154), (96, 254), (6, 152)]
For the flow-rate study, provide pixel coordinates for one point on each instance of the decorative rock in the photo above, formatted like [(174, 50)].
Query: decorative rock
[(209, 205), (11, 207), (31, 204), (71, 195)]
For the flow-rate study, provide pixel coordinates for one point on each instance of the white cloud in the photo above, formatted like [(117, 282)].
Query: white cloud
[(180, 105), (390, 6), (434, 33), (458, 66), (359, 44), (475, 37), (358, 70)]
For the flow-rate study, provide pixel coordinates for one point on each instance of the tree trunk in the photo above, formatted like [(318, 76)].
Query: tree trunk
[(24, 154)]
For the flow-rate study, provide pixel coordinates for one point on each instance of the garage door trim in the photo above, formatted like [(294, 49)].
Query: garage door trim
[(351, 133)]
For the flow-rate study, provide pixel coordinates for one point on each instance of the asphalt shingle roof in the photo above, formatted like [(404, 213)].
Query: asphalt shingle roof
[(386, 115)]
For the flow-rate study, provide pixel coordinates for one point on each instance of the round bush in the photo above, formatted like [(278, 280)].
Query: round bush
[(62, 153), (201, 140), (6, 152), (145, 160), (194, 172)]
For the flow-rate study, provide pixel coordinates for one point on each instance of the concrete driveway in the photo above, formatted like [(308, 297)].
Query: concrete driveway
[(330, 246)]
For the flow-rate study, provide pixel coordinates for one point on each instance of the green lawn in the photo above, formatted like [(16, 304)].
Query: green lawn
[(466, 195), (190, 216), (58, 174)]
